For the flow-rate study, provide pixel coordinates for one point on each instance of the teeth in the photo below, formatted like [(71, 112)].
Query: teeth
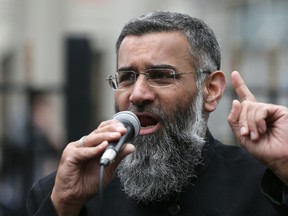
[(150, 126)]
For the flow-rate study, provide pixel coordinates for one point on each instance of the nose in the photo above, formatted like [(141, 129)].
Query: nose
[(142, 93)]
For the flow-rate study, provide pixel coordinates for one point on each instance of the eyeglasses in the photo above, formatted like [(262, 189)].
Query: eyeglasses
[(157, 77)]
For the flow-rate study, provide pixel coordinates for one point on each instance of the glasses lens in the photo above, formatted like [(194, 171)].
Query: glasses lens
[(125, 79), (160, 77), (155, 77)]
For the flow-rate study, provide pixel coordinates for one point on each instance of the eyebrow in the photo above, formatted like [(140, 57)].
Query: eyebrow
[(126, 69), (166, 66), (131, 68)]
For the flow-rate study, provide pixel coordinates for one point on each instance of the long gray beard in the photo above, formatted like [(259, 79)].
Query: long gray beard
[(164, 162)]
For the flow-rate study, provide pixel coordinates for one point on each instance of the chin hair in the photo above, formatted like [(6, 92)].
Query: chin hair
[(164, 162)]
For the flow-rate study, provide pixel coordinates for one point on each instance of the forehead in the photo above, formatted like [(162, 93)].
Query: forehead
[(171, 48)]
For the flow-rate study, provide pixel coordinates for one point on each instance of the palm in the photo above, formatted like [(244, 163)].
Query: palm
[(272, 147)]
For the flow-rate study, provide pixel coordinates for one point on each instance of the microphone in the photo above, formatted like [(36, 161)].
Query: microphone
[(132, 123)]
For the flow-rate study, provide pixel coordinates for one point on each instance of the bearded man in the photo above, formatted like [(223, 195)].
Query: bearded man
[(168, 74)]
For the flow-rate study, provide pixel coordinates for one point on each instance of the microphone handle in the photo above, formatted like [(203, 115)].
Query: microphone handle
[(114, 147)]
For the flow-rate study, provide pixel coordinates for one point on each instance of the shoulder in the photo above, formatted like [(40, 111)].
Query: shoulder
[(40, 191), (45, 184), (233, 153), (230, 153), (236, 161), (230, 158)]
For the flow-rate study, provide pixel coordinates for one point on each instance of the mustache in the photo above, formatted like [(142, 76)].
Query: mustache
[(141, 108), (163, 117), (144, 108)]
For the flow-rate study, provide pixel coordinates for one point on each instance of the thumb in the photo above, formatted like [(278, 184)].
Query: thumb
[(126, 150), (233, 117)]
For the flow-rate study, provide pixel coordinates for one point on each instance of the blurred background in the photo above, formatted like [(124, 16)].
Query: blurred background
[(55, 55)]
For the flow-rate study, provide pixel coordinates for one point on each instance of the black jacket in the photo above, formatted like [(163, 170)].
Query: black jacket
[(228, 183)]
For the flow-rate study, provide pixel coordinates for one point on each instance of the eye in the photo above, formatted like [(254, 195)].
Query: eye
[(161, 74), (126, 76)]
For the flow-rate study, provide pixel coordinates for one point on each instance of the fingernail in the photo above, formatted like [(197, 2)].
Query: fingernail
[(104, 143), (120, 125), (114, 134), (253, 135), (243, 130)]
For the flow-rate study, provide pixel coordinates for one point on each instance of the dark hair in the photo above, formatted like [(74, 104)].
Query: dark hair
[(204, 47)]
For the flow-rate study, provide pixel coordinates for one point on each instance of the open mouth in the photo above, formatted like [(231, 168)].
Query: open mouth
[(149, 123)]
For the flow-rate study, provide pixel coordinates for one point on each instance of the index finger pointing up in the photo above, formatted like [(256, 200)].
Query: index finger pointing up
[(241, 88)]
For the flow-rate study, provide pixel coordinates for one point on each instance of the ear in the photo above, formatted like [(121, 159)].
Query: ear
[(213, 89)]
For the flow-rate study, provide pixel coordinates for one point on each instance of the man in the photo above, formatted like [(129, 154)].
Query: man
[(168, 74)]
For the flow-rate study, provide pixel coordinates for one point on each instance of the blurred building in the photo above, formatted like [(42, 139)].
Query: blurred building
[(55, 55)]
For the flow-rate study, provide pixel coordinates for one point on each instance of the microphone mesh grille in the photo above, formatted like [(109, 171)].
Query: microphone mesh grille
[(130, 118)]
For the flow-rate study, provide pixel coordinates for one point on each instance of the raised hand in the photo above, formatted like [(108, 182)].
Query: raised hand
[(261, 128)]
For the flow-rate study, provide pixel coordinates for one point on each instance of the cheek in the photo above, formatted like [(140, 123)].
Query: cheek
[(122, 101), (172, 102), (182, 97)]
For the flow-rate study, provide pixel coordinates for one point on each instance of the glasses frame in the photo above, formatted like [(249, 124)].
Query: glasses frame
[(113, 83)]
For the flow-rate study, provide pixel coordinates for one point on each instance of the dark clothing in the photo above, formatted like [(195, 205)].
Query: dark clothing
[(228, 183)]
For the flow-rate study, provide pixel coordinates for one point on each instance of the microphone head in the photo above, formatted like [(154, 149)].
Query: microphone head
[(130, 118)]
